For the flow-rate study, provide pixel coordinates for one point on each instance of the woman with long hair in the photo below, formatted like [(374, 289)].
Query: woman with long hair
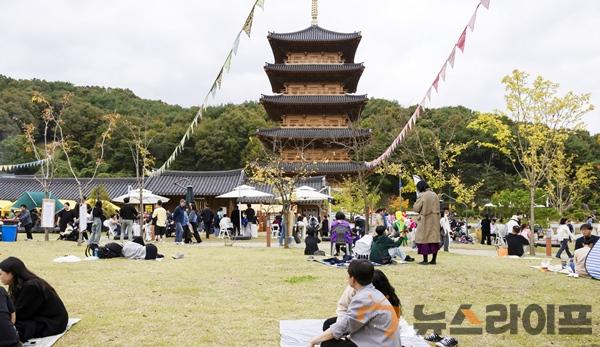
[(39, 310), (381, 282)]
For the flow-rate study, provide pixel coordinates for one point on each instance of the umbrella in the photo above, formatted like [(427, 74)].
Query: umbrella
[(308, 193), (244, 191), (34, 200), (5, 205), (147, 197)]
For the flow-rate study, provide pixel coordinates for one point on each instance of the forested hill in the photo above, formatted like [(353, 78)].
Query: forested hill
[(223, 139)]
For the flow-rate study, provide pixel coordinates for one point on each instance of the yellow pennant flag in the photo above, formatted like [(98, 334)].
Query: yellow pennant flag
[(248, 25)]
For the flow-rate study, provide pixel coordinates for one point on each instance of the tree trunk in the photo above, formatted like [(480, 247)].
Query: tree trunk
[(289, 224), (532, 219)]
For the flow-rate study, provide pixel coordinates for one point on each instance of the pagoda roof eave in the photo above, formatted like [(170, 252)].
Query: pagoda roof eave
[(314, 133), (348, 74), (278, 105)]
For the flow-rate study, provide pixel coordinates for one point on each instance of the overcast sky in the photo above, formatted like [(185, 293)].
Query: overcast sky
[(172, 50)]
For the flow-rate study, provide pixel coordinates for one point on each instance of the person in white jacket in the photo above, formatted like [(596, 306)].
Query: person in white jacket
[(445, 223), (564, 236)]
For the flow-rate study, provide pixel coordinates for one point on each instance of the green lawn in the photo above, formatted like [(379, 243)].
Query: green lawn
[(235, 296)]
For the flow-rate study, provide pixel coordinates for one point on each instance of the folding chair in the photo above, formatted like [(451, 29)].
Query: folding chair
[(341, 241)]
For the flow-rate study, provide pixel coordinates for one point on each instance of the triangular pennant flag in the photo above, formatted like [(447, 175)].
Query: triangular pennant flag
[(435, 82), (260, 3), (443, 72), (451, 57), (429, 94), (219, 78), (472, 20), (236, 43), (227, 64), (248, 25), (461, 40), (485, 3), (417, 112)]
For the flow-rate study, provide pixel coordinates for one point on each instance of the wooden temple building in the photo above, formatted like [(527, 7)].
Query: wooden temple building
[(314, 78)]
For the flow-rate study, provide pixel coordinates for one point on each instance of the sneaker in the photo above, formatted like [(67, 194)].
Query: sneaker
[(434, 337), (409, 258), (178, 255), (447, 341)]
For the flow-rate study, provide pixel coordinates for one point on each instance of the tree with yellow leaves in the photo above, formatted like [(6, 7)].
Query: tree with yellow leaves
[(542, 121)]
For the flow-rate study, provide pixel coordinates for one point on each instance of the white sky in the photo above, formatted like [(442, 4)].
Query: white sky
[(172, 50)]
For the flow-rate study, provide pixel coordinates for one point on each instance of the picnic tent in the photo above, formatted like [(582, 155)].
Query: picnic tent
[(34, 200), (592, 262)]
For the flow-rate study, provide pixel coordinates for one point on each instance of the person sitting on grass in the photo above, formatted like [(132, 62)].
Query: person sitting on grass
[(370, 319), (580, 256), (586, 232), (8, 332), (136, 250), (515, 242), (312, 241), (384, 249), (39, 310)]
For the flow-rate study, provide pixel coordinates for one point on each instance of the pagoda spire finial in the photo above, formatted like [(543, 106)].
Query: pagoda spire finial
[(314, 12)]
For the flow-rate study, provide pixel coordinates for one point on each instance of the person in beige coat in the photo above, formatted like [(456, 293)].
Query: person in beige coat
[(427, 236)]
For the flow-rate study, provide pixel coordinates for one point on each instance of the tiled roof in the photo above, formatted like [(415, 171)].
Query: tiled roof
[(314, 99), (326, 168), (314, 39), (314, 133), (348, 74), (278, 105), (204, 183), (314, 33), (11, 187)]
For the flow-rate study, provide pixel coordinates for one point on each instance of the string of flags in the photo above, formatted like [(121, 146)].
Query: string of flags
[(13, 167), (441, 75), (216, 85)]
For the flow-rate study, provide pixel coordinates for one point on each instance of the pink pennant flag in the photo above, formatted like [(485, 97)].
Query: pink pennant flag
[(435, 82), (461, 40), (451, 57), (417, 112), (443, 72), (472, 21), (429, 94), (485, 3)]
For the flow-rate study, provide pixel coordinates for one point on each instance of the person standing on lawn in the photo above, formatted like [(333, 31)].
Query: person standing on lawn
[(25, 221), (128, 214), (564, 236), (486, 230), (427, 236)]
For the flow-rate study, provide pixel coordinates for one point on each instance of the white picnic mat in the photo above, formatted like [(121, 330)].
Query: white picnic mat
[(50, 340), (298, 333)]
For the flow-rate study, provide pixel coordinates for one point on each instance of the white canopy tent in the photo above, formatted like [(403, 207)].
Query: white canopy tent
[(147, 197), (244, 191)]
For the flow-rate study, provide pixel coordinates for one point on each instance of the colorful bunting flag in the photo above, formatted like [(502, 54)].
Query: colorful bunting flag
[(451, 57), (461, 41), (472, 20), (486, 4), (227, 64), (248, 25), (435, 82), (260, 3), (443, 72), (236, 43)]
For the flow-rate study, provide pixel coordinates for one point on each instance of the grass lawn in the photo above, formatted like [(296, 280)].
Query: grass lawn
[(235, 296)]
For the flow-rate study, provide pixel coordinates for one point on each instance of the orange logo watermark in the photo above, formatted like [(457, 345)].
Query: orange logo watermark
[(380, 306)]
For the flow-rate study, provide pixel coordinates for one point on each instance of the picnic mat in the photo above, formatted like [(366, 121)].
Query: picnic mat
[(50, 340), (553, 268), (344, 265), (298, 333)]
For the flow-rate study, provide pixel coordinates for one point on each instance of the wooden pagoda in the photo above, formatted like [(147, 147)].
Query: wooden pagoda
[(314, 77)]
